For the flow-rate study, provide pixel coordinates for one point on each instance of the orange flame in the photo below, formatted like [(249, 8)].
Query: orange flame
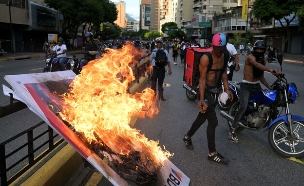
[(99, 103)]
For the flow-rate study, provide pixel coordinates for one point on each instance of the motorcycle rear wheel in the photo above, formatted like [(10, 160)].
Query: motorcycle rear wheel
[(283, 143), (190, 95), (232, 111)]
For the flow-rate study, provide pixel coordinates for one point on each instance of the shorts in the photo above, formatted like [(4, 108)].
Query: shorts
[(175, 53)]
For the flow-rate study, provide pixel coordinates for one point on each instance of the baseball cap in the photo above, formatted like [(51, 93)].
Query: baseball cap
[(219, 41)]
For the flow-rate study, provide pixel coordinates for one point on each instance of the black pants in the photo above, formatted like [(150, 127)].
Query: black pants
[(210, 115), (158, 77)]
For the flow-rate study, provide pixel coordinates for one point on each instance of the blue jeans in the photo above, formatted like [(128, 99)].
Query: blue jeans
[(62, 61), (246, 90)]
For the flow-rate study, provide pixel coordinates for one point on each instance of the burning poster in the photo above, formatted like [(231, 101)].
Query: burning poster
[(92, 112)]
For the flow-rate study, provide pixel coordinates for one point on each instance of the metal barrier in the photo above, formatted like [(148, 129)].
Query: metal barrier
[(139, 71), (30, 152)]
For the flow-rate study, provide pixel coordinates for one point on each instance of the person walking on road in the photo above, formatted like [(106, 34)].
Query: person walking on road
[(208, 93), (241, 47), (253, 74), (175, 52), (182, 53), (159, 60)]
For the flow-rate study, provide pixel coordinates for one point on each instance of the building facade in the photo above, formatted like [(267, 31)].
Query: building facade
[(145, 15), (121, 16), (30, 20)]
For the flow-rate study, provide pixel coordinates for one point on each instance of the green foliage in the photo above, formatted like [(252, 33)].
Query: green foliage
[(300, 14), (238, 38), (168, 27), (110, 31), (76, 12), (172, 30), (152, 34), (142, 32), (268, 9)]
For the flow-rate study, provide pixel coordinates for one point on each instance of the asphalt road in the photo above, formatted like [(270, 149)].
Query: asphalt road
[(252, 161)]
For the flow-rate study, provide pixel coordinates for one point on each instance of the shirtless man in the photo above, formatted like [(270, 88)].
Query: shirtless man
[(208, 92), (253, 74)]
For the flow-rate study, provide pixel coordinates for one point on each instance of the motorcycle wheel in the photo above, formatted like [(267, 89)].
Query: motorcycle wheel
[(232, 111), (283, 143), (191, 96)]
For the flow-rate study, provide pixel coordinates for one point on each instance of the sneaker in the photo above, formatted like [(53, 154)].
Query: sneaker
[(175, 63), (218, 158), (188, 142), (232, 136)]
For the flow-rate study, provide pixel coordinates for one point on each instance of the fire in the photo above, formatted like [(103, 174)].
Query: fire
[(99, 106)]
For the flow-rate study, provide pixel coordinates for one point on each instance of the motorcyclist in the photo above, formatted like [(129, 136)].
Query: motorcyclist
[(60, 50), (270, 52), (253, 74), (89, 49)]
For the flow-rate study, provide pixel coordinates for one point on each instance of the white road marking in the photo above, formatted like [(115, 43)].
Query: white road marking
[(36, 69)]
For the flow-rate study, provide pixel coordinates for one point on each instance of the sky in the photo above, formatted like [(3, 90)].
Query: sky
[(132, 8)]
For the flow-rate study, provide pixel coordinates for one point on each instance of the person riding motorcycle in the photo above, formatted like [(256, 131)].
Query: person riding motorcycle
[(90, 49), (270, 53), (60, 50), (253, 74)]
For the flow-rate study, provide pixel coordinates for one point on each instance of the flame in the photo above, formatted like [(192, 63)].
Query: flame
[(98, 103)]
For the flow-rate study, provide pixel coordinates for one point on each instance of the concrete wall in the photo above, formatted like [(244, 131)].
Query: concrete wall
[(18, 15)]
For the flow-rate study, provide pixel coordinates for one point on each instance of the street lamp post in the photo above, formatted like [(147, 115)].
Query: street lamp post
[(11, 26)]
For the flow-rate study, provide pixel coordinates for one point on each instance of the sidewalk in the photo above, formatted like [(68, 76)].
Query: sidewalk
[(293, 58), (29, 55)]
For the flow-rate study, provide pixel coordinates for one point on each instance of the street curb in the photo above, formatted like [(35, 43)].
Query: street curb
[(33, 56), (64, 164)]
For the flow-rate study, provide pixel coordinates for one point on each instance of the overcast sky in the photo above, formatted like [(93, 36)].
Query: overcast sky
[(132, 8)]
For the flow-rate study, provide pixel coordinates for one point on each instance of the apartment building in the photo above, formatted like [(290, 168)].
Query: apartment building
[(145, 14), (29, 20), (155, 15), (168, 10), (121, 20)]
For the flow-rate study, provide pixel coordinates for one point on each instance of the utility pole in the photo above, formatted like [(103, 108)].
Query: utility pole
[(11, 26), (247, 17)]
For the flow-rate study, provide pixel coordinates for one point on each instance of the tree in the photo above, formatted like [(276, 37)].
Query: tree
[(86, 12), (300, 15), (171, 29), (152, 34), (278, 9), (110, 31)]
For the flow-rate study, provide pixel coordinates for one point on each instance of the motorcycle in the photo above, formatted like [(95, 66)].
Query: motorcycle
[(52, 63), (192, 93), (79, 64), (262, 112)]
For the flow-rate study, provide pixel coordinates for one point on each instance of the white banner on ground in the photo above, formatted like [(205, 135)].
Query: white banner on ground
[(37, 92)]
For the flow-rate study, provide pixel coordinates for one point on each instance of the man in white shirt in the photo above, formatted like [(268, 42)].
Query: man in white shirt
[(60, 49), (241, 47), (232, 64)]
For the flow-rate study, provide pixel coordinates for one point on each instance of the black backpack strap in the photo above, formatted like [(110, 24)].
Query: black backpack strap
[(210, 61)]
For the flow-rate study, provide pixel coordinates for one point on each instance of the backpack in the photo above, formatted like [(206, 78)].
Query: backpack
[(161, 58)]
